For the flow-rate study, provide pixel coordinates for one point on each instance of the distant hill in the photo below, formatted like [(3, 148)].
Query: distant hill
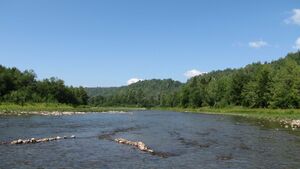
[(273, 84), (103, 91), (142, 93)]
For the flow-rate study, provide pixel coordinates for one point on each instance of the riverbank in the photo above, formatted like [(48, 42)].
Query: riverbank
[(56, 109), (290, 117), (286, 117), (271, 114)]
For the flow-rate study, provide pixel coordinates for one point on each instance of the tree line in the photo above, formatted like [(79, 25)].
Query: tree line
[(273, 84), (258, 85), (22, 87), (267, 85)]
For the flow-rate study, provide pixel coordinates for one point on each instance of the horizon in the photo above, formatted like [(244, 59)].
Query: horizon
[(112, 44)]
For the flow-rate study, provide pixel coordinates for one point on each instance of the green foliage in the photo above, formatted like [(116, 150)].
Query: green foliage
[(258, 85), (257, 92), (268, 85), (102, 91), (286, 88), (22, 87), (146, 93)]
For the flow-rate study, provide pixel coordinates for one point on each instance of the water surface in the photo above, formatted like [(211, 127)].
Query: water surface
[(188, 141)]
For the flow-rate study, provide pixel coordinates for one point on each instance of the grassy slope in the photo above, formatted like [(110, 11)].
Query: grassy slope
[(270, 114), (6, 108)]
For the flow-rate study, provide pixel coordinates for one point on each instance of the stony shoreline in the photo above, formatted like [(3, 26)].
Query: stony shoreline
[(44, 113), (294, 124), (56, 113), (34, 140)]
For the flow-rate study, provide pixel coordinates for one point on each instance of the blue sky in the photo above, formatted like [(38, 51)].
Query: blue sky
[(108, 42)]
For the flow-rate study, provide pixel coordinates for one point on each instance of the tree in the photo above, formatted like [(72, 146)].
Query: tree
[(238, 82), (18, 97), (257, 92), (286, 87)]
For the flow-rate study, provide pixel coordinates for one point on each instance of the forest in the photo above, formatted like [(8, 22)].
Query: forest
[(258, 85), (23, 87), (273, 84), (147, 93)]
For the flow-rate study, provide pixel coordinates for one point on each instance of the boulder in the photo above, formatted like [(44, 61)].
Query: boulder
[(33, 140), (26, 141), (14, 142), (140, 145), (19, 141)]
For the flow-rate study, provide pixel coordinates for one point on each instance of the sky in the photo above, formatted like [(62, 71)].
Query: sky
[(101, 43)]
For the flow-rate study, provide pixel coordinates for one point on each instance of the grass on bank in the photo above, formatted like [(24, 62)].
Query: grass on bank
[(9, 108), (270, 114)]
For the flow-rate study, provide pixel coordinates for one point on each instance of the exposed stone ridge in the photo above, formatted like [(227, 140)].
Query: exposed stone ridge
[(34, 140), (137, 144)]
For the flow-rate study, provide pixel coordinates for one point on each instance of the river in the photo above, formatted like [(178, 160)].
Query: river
[(187, 140)]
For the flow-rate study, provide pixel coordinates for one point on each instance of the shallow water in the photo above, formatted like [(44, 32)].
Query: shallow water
[(187, 140)]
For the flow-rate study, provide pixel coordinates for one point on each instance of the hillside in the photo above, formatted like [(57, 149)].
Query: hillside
[(143, 93), (258, 85), (102, 91)]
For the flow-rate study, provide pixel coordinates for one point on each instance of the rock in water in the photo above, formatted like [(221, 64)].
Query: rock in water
[(19, 141), (140, 145), (33, 140), (14, 142)]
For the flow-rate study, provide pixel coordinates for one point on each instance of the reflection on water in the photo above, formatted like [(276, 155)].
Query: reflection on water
[(187, 140)]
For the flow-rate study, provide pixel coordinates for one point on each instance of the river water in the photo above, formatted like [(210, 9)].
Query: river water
[(186, 140)]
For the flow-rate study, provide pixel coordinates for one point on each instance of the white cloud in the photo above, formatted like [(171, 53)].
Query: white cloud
[(258, 44), (295, 18), (193, 73), (133, 80), (297, 44)]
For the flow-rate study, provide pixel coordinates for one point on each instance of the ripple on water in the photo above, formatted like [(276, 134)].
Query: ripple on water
[(184, 140)]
